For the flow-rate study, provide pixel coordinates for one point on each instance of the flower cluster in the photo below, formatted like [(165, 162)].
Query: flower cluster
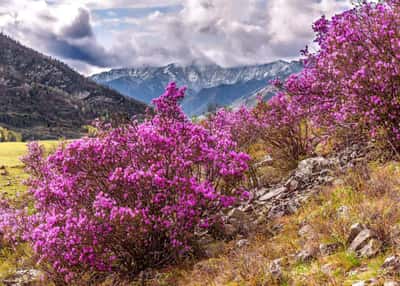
[(353, 80), (134, 196)]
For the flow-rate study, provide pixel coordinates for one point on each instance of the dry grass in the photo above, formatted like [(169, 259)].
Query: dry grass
[(369, 195)]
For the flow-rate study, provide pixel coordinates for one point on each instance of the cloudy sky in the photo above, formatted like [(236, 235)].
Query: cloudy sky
[(95, 35)]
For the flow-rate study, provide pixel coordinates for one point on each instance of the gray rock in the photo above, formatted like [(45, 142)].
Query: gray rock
[(308, 253), (392, 264), (391, 283), (310, 166), (328, 268), (328, 249), (343, 212), (355, 229), (24, 277), (361, 240), (267, 160), (292, 184), (307, 232), (369, 282), (371, 249), (395, 235), (275, 268), (242, 243), (272, 194)]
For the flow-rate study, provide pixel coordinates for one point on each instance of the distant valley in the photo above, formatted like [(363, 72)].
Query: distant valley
[(209, 86), (42, 98)]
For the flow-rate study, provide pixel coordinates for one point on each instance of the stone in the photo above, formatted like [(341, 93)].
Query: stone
[(275, 268), (391, 283), (361, 240), (267, 160), (329, 248), (242, 243), (369, 282), (310, 166), (293, 184), (371, 249), (328, 268), (355, 229), (343, 212), (338, 182), (395, 235), (392, 264), (308, 253), (23, 277), (271, 194), (307, 232), (3, 172)]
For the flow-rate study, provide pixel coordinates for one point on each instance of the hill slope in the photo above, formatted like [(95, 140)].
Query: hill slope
[(207, 85), (44, 98)]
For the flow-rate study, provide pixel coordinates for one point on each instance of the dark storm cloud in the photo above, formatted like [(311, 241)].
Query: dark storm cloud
[(80, 27)]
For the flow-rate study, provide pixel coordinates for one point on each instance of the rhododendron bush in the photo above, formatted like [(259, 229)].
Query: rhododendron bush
[(279, 124), (133, 197), (353, 81), (284, 129)]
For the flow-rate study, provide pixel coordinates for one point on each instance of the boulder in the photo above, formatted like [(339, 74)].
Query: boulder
[(311, 166), (327, 249), (371, 249), (355, 229), (392, 264), (308, 253), (275, 268), (361, 240)]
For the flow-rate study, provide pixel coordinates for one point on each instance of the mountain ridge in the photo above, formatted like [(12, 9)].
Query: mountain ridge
[(207, 85), (43, 98)]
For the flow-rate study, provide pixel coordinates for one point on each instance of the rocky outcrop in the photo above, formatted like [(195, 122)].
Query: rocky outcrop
[(287, 196)]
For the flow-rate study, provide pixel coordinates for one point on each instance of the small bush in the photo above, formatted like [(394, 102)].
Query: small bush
[(284, 129)]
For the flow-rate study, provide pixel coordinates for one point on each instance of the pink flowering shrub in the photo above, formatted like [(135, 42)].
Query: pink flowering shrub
[(242, 128), (284, 129), (133, 197), (353, 81), (279, 124)]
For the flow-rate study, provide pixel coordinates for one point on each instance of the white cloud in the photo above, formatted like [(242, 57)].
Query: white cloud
[(226, 32)]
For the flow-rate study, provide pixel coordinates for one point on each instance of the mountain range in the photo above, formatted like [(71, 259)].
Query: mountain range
[(43, 98), (208, 86)]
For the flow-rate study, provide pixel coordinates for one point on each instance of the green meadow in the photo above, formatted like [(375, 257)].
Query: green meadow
[(11, 168)]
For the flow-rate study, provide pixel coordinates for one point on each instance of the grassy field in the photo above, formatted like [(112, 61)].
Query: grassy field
[(11, 177), (11, 169)]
